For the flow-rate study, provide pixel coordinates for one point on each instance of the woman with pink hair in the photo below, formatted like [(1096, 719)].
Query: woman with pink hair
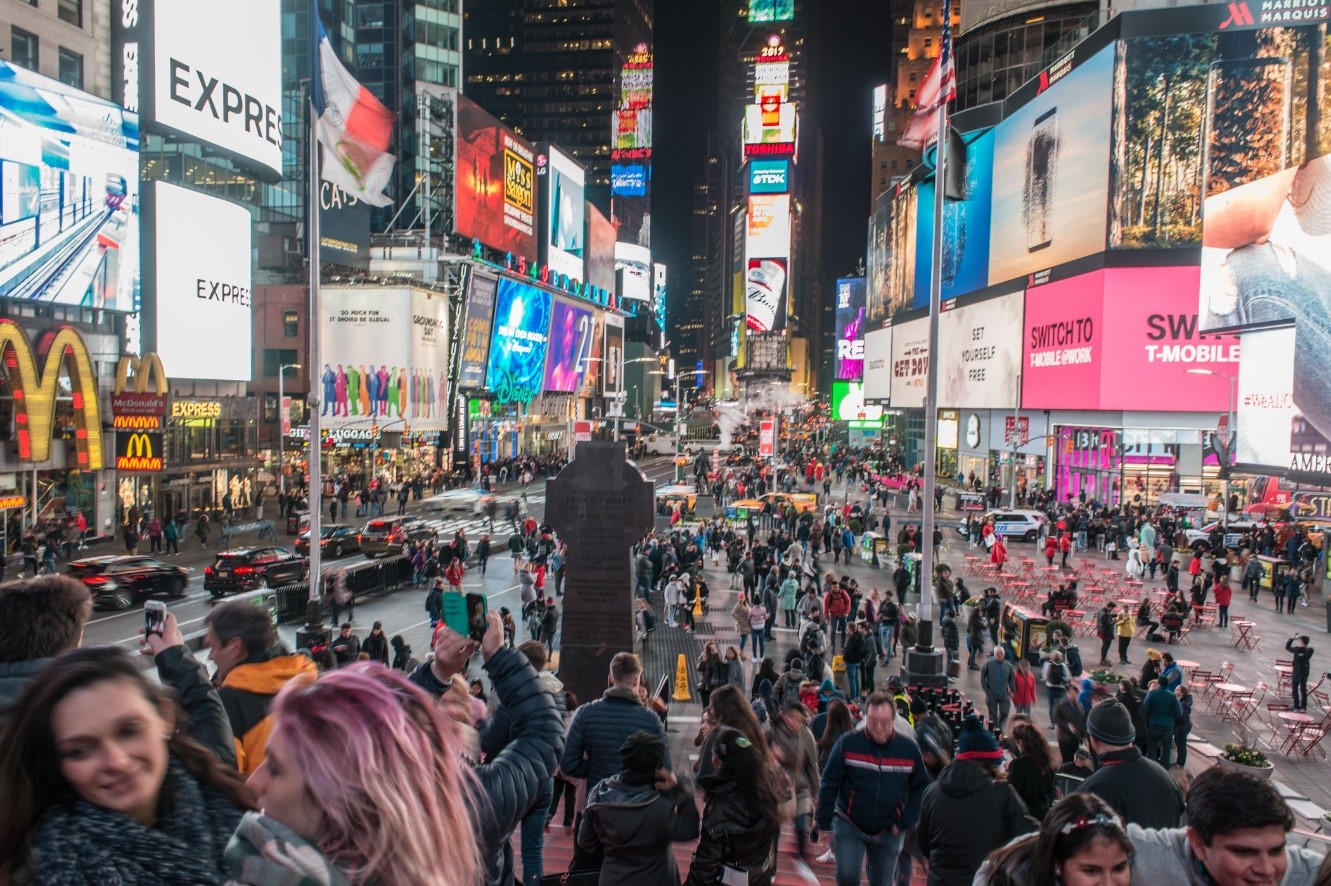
[(367, 780)]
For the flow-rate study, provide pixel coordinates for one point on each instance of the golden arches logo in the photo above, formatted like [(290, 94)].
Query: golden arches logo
[(35, 392), (145, 369), (135, 422), (139, 451)]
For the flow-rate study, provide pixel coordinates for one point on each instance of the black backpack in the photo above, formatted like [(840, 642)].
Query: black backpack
[(1072, 657)]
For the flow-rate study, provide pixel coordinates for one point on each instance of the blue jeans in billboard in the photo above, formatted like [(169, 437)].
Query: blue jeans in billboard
[(854, 849)]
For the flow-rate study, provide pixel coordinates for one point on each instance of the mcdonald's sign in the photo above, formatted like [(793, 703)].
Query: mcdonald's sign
[(139, 451), (59, 349), (139, 408)]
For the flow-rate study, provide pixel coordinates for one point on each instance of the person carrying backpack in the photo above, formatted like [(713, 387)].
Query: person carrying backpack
[(1056, 678)]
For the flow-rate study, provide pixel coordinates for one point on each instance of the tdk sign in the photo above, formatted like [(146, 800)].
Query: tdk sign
[(769, 176)]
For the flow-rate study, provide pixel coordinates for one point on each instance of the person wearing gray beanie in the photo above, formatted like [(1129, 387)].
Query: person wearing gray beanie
[(1140, 790)]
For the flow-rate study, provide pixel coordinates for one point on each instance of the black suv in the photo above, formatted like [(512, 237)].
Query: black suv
[(120, 582), (334, 540), (246, 569), (391, 535)]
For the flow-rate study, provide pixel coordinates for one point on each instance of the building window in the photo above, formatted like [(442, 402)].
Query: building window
[(270, 408), (290, 324), (71, 68), (273, 358), (23, 51), (71, 11)]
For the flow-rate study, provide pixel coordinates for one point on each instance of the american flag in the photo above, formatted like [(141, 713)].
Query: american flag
[(939, 86)]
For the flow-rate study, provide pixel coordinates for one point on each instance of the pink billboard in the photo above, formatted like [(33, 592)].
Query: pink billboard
[(1123, 338)]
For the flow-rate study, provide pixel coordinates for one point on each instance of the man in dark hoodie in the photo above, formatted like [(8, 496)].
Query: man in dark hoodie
[(39, 619), (969, 811), (633, 817)]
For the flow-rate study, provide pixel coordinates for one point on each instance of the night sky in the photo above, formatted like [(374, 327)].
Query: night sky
[(848, 56)]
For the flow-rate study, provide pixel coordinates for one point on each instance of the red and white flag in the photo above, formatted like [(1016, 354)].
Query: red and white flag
[(354, 129), (939, 87)]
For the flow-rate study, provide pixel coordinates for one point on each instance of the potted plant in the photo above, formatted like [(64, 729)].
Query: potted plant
[(1244, 757), (1106, 679)]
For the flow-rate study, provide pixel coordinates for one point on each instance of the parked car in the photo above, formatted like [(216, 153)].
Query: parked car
[(391, 535), (1200, 539), (246, 569), (120, 582), (335, 540)]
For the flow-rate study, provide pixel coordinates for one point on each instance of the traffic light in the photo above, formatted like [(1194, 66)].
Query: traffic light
[(406, 430), (374, 429)]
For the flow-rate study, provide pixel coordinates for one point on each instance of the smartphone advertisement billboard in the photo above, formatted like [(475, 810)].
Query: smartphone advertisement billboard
[(516, 369), (569, 348), (563, 245), (385, 356), (979, 353), (1051, 173), (965, 227), (850, 328), (494, 191), (69, 195)]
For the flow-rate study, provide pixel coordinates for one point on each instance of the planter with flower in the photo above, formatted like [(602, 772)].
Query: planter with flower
[(1245, 758)]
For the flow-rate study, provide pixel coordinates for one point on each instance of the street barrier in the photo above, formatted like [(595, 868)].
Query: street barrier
[(363, 579)]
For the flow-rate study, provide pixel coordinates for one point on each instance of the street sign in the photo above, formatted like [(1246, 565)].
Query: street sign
[(1018, 429), (582, 431), (767, 438)]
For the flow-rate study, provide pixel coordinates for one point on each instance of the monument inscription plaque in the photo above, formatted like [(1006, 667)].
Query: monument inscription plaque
[(600, 504)]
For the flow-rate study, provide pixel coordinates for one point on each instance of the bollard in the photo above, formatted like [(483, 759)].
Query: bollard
[(682, 680)]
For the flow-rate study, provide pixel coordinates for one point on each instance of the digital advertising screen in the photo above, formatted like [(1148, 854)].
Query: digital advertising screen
[(769, 225), (979, 353), (770, 127), (659, 294), (630, 179), (219, 80), (476, 323), (344, 228), (203, 282), (564, 242), (494, 193), (613, 374), (850, 328), (385, 358), (569, 348), (1051, 173), (634, 262), (848, 405), (516, 370), (878, 365), (769, 176), (892, 255), (1281, 421), (765, 284), (600, 249), (966, 227), (633, 119), (69, 195), (910, 363), (767, 11)]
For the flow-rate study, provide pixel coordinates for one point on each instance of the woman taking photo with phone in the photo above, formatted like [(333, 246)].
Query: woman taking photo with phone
[(102, 785)]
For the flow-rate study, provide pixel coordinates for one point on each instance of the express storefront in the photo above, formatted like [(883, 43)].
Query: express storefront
[(212, 461)]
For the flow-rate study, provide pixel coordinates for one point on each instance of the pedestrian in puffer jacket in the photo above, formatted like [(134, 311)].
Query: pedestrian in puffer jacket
[(599, 728), (740, 817), (632, 817)]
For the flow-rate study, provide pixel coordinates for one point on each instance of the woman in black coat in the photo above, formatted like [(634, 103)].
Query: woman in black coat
[(740, 813)]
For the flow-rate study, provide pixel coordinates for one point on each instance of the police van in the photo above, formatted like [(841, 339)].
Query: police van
[(1017, 525)]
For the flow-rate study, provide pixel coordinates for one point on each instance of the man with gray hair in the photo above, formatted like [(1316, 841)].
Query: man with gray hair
[(998, 679)]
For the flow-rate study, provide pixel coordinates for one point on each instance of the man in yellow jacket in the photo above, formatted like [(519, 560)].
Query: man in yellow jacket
[(252, 667), (1127, 626)]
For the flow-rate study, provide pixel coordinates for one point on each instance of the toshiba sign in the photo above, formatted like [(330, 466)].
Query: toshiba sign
[(217, 77)]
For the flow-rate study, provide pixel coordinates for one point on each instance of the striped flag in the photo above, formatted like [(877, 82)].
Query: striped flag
[(353, 127), (939, 87)]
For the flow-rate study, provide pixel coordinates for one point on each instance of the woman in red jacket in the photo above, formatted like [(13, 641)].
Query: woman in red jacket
[(1050, 548), (998, 553), (1223, 594), (1023, 693)]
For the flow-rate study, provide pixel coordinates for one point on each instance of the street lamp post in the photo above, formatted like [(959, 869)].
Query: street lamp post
[(1231, 433), (679, 419), (282, 416)]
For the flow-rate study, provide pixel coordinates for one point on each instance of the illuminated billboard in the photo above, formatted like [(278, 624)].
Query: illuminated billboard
[(633, 117), (475, 347), (892, 254), (630, 179), (1284, 413), (766, 11), (966, 224), (848, 405), (979, 353), (633, 264), (659, 293), (765, 293), (569, 347), (850, 328), (769, 225), (878, 365), (600, 249), (769, 176), (612, 377), (494, 191), (69, 195), (516, 369), (563, 243), (769, 130), (910, 362)]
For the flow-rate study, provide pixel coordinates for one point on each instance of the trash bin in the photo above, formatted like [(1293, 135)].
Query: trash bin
[(293, 523)]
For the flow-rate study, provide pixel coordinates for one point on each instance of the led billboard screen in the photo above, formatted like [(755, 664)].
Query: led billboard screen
[(476, 332), (765, 285), (850, 328), (979, 353), (966, 226), (878, 365), (218, 80), (69, 195), (569, 348), (1283, 412), (634, 263), (769, 225), (848, 405), (516, 369), (613, 373), (766, 11), (564, 243), (770, 126), (203, 282), (1051, 173), (892, 254), (633, 119), (495, 185), (769, 176), (910, 362), (600, 249)]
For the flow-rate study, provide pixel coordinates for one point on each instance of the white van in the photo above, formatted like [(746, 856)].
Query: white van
[(659, 444)]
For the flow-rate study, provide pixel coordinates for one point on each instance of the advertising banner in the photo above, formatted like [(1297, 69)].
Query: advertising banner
[(564, 244), (385, 358), (630, 179), (848, 405), (613, 374), (572, 331), (769, 226), (850, 328), (979, 353), (910, 363), (202, 303), (633, 119), (516, 370), (1051, 173), (139, 451), (344, 228), (69, 195), (209, 90), (965, 228), (767, 437), (495, 189), (765, 293), (769, 176), (600, 249), (770, 128), (635, 263), (476, 332), (892, 256), (766, 11), (1276, 428), (1121, 339), (878, 365)]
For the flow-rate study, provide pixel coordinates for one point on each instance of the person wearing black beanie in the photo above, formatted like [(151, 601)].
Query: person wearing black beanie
[(1140, 790), (634, 816), (970, 810)]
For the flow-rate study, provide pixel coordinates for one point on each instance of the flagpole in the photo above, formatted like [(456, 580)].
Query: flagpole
[(316, 366)]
